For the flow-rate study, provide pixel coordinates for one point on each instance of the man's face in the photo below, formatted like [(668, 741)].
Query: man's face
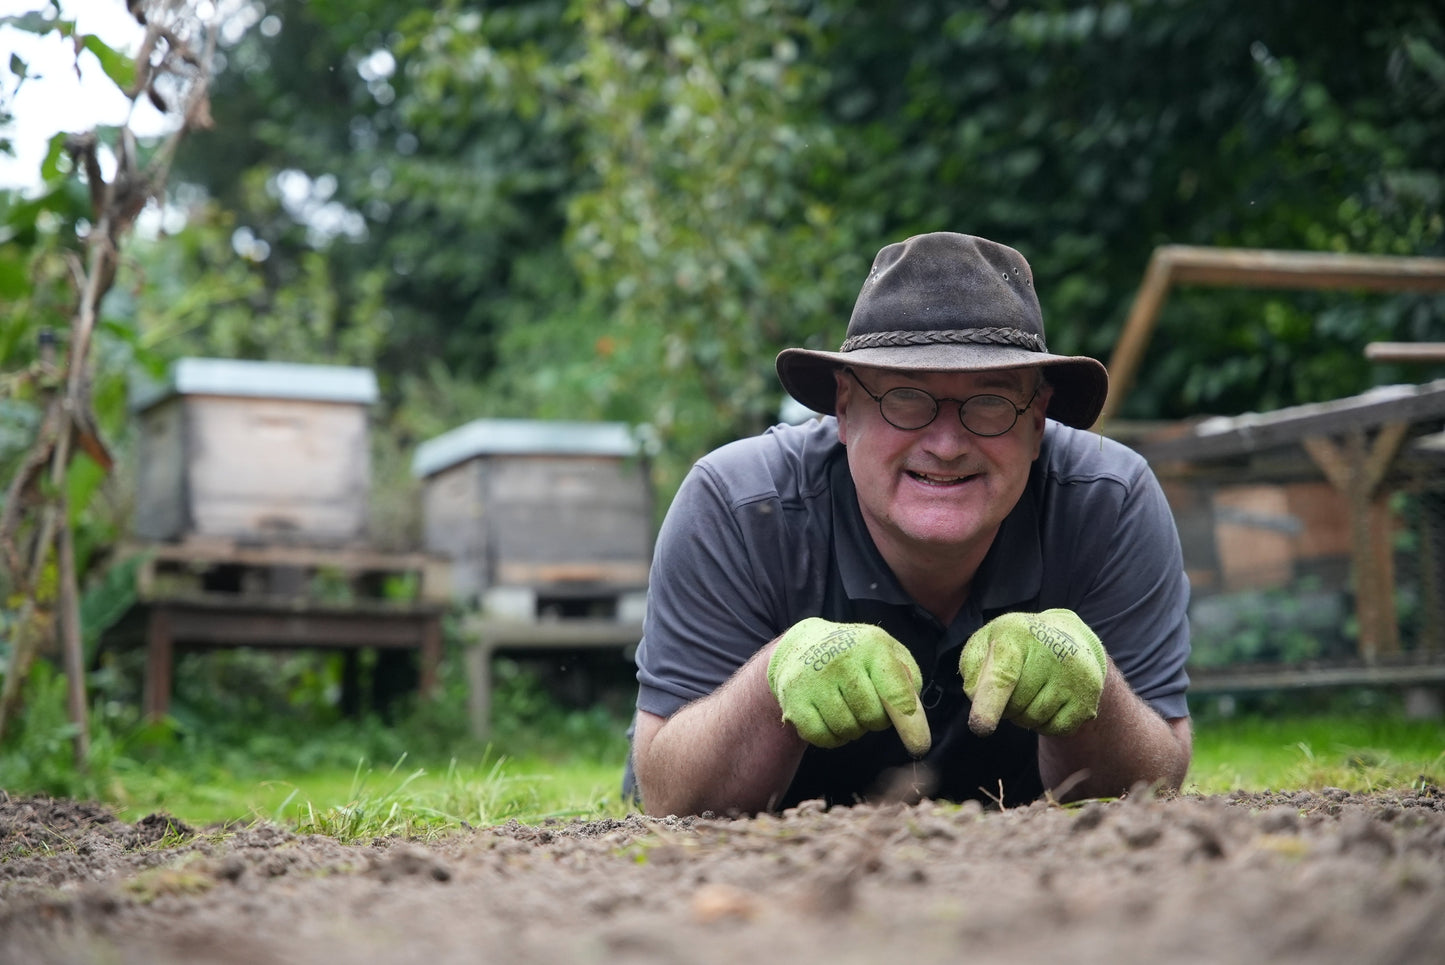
[(940, 489)]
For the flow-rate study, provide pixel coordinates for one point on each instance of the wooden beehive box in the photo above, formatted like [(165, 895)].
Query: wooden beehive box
[(256, 452), (563, 509)]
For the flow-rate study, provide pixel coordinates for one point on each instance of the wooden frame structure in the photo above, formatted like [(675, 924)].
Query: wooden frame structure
[(1172, 265), (273, 604), (1355, 443), (488, 635), (1358, 444), (215, 624)]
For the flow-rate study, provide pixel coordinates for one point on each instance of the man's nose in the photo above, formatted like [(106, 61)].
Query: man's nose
[(946, 437)]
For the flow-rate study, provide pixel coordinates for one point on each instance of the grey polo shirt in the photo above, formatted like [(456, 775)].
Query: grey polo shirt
[(766, 531)]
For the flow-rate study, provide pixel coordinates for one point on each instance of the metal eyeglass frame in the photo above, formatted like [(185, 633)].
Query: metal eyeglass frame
[(938, 406)]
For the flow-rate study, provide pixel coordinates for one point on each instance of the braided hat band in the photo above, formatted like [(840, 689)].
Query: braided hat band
[(970, 336)]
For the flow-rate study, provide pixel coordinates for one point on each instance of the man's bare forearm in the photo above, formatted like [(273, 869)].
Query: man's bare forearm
[(729, 751), (1126, 743)]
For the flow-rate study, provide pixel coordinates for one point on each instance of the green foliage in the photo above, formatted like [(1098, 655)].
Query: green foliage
[(45, 238), (39, 757), (703, 129), (1288, 625), (1086, 135), (408, 166), (117, 66), (622, 211)]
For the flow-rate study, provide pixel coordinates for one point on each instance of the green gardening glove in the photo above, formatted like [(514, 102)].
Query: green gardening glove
[(836, 681), (1044, 671)]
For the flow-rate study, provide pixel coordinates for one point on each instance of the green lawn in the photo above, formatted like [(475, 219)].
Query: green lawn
[(370, 798), (411, 795), (1358, 753), (358, 778)]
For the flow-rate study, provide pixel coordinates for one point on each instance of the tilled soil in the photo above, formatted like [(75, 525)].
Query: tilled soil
[(1318, 877)]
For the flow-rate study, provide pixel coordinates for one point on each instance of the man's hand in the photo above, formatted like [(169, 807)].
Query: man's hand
[(1044, 671), (836, 681)]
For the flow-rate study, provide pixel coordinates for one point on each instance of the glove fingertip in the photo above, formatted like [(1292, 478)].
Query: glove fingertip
[(912, 726), (982, 724)]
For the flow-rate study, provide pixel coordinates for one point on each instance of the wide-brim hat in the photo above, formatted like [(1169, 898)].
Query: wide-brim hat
[(947, 302)]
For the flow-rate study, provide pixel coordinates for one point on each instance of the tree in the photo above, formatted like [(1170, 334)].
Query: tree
[(1086, 134), (622, 210)]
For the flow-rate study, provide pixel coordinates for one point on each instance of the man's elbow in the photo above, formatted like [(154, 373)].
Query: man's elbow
[(1178, 766)]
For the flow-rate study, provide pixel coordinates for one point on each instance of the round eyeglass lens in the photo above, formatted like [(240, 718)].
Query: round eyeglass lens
[(988, 415), (908, 408)]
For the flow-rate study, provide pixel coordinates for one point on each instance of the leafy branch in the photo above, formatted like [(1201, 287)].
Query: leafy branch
[(37, 546)]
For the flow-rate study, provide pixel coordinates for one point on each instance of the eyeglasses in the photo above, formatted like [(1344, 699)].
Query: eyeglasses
[(908, 409)]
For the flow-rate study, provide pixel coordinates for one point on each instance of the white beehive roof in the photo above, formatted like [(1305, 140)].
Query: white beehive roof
[(263, 380), (489, 437)]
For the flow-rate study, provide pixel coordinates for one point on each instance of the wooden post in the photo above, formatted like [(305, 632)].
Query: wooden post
[(1432, 586), (1357, 469), (1138, 329), (479, 687), (431, 655), (159, 654)]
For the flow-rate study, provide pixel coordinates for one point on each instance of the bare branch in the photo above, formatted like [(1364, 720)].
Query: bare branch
[(68, 423)]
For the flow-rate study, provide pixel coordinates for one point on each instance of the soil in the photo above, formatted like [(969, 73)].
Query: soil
[(1322, 877)]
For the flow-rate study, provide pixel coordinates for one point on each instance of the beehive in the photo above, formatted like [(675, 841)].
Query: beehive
[(561, 509), (268, 452)]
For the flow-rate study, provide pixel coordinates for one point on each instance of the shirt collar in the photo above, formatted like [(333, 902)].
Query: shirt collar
[(1010, 574), (865, 574)]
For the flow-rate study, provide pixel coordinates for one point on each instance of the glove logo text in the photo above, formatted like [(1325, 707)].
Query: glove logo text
[(1060, 643), (820, 654)]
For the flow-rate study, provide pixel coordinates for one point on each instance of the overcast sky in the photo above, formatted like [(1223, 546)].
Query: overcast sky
[(57, 99)]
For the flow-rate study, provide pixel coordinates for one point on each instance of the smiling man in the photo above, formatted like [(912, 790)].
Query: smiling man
[(944, 587)]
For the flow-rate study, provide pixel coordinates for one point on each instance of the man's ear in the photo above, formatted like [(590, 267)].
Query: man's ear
[(1040, 408), (841, 393), (1038, 413)]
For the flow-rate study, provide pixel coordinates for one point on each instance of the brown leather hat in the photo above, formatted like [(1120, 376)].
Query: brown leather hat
[(947, 302)]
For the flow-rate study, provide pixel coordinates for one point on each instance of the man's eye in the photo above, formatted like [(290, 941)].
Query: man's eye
[(906, 396)]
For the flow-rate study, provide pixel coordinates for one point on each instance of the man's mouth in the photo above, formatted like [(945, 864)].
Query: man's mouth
[(937, 479)]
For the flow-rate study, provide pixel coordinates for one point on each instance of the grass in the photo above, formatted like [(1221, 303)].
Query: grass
[(1357, 753), (236, 758), (422, 775), (406, 797), (416, 798)]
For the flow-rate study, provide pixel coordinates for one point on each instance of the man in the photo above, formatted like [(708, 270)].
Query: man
[(946, 585)]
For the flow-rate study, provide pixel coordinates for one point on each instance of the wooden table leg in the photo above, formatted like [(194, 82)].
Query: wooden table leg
[(160, 653), (479, 688), (431, 654)]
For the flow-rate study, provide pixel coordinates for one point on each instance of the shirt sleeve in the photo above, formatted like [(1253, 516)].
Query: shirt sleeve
[(710, 592), (1138, 601)]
